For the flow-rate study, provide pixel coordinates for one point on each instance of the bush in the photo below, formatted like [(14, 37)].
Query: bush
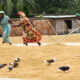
[(40, 16)]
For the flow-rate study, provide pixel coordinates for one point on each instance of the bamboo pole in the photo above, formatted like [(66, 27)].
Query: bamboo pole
[(52, 28), (68, 34), (53, 39)]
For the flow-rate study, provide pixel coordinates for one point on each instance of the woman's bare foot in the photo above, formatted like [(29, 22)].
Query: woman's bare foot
[(39, 43), (3, 42), (25, 44), (10, 43)]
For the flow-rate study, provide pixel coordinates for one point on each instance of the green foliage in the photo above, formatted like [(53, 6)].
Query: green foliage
[(41, 5), (31, 6), (11, 7), (26, 9), (40, 16), (0, 7), (58, 6), (8, 7)]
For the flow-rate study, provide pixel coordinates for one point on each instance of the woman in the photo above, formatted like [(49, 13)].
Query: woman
[(5, 27), (29, 34), (78, 17)]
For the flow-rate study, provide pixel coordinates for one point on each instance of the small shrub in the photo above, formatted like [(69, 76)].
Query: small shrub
[(40, 16)]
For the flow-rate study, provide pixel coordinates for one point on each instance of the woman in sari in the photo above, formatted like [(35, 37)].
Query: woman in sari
[(29, 34), (4, 20)]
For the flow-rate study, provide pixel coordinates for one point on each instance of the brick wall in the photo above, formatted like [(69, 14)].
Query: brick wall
[(41, 25), (16, 31), (44, 26)]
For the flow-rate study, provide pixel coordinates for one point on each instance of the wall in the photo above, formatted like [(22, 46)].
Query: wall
[(45, 26), (60, 25), (75, 25), (41, 25)]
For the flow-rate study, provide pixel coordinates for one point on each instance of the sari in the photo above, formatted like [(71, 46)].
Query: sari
[(29, 34), (5, 28)]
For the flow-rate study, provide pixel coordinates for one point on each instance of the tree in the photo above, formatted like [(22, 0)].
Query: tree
[(57, 6), (11, 7), (41, 5)]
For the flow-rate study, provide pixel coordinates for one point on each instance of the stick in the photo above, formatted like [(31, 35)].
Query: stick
[(67, 35), (50, 37), (54, 40), (52, 28), (54, 31)]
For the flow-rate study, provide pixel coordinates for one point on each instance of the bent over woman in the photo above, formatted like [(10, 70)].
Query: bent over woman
[(29, 34), (4, 20)]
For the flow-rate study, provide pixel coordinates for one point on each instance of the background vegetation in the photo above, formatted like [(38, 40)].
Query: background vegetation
[(30, 7)]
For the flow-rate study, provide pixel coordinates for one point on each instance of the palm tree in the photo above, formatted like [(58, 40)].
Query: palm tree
[(41, 5), (1, 2), (11, 7)]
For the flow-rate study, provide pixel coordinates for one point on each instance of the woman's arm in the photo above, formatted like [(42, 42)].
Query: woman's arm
[(17, 25), (13, 24), (10, 21)]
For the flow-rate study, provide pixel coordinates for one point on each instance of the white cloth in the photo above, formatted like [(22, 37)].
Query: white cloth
[(78, 21)]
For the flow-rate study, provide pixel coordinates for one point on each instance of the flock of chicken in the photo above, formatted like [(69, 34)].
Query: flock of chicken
[(64, 68), (14, 64)]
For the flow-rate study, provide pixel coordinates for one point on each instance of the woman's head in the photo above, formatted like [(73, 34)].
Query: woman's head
[(22, 16), (77, 16), (1, 14)]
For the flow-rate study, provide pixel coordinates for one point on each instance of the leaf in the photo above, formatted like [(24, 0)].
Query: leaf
[(18, 4), (32, 5), (8, 7)]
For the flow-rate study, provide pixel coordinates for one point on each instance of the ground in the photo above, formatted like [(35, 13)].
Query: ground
[(31, 66)]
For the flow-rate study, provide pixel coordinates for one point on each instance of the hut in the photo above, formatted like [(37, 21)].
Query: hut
[(63, 24)]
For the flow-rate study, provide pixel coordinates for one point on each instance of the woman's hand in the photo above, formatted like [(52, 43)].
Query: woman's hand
[(17, 25), (14, 25)]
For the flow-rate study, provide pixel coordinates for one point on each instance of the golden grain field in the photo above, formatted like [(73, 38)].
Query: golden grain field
[(31, 66)]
